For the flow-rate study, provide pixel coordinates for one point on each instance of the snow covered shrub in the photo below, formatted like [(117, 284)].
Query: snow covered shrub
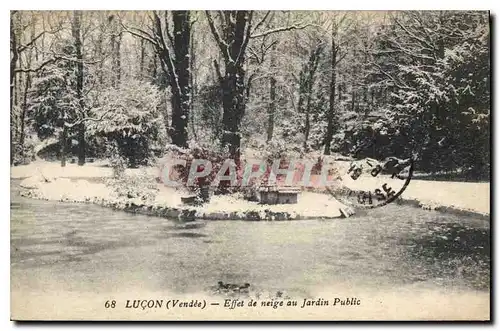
[(131, 118), (277, 150), (141, 186), (191, 154), (116, 161), (24, 154), (52, 98), (196, 152)]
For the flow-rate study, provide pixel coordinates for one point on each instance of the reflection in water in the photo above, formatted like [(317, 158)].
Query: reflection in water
[(183, 235), (453, 249), (188, 225), (90, 248)]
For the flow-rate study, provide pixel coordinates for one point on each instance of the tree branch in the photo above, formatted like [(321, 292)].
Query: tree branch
[(218, 72), (393, 80), (340, 58), (423, 41), (287, 28), (22, 48), (142, 34), (194, 21), (167, 29), (254, 55), (40, 67), (86, 119), (247, 38), (410, 53), (164, 50), (261, 22), (222, 45)]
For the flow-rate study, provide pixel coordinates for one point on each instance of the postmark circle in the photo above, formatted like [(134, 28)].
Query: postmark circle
[(368, 183)]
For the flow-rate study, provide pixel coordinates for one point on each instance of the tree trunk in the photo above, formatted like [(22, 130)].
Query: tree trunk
[(306, 89), (353, 99), (307, 125), (365, 86), (236, 27), (64, 138), (27, 85), (272, 98), (79, 83), (330, 116), (340, 87), (353, 85), (13, 63), (180, 80), (100, 55), (233, 104), (118, 65), (272, 108), (192, 82), (154, 70), (24, 109), (81, 144), (141, 63), (115, 58)]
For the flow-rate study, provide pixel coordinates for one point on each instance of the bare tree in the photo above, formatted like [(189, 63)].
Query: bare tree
[(13, 63), (337, 57), (18, 47), (78, 45), (232, 36), (232, 39), (272, 96), (306, 83), (116, 41), (173, 50)]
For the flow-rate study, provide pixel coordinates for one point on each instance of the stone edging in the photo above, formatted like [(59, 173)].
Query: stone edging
[(186, 214), (419, 204), (443, 209)]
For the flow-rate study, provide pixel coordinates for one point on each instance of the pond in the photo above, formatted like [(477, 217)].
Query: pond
[(87, 248)]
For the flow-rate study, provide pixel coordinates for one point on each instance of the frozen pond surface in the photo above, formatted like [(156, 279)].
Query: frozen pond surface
[(87, 248)]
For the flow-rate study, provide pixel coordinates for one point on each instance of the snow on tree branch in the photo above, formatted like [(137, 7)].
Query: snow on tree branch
[(87, 119), (224, 47), (286, 28)]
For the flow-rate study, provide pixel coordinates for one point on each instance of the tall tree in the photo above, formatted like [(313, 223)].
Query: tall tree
[(13, 63), (173, 50), (116, 42), (22, 66), (428, 63), (336, 58), (78, 63), (306, 84), (232, 39), (271, 110)]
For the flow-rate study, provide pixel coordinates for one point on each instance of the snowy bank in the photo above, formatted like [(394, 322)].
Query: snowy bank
[(167, 202), (447, 196), (463, 198), (89, 170)]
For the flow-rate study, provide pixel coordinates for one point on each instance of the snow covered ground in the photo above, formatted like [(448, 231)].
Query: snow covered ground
[(462, 195), (69, 184), (309, 205), (54, 170)]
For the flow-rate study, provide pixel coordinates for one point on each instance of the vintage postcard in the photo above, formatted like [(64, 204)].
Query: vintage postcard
[(250, 165)]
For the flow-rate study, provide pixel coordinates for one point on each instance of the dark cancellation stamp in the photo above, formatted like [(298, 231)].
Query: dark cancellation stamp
[(370, 183)]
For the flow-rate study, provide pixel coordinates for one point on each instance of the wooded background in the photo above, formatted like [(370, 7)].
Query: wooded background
[(369, 84)]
